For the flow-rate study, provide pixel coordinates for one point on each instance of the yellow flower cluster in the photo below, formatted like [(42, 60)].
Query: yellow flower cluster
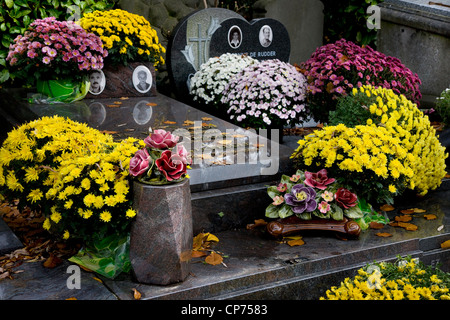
[(405, 121), (384, 281), (72, 171), (364, 154), (127, 37)]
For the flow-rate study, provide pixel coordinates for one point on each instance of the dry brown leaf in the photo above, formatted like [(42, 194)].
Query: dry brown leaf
[(72, 298), (258, 223), (407, 211), (198, 254), (376, 225), (386, 207), (408, 226), (214, 259), (417, 210), (136, 294), (445, 244), (298, 242), (383, 234), (151, 104), (97, 279), (108, 132), (113, 105), (403, 218), (169, 122), (117, 102), (52, 261), (430, 216), (206, 118)]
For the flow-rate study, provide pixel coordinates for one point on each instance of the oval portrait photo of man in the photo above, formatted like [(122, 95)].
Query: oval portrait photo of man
[(142, 79), (98, 81)]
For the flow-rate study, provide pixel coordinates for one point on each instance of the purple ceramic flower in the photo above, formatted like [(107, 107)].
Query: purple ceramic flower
[(301, 199)]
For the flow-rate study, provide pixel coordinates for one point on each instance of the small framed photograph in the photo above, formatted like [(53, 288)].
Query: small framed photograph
[(142, 79), (234, 37), (265, 36), (98, 81)]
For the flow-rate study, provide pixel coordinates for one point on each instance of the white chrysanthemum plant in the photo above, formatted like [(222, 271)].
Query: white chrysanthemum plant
[(214, 75)]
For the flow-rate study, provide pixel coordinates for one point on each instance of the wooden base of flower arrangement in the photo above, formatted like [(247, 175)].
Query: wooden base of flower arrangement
[(119, 81), (345, 228)]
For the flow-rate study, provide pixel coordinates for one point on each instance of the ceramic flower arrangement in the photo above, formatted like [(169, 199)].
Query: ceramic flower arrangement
[(128, 37), (76, 175), (161, 161), (381, 107), (269, 93), (52, 50), (335, 69), (208, 84), (312, 195)]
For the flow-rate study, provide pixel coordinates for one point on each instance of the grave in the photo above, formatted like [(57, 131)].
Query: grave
[(209, 32), (412, 30)]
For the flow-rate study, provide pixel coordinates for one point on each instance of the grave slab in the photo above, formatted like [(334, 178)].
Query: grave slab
[(8, 240), (251, 162)]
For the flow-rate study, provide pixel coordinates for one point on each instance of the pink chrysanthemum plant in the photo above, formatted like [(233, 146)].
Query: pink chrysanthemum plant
[(333, 70), (55, 50), (161, 161)]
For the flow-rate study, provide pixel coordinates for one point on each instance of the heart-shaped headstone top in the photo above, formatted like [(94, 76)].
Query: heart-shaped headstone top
[(261, 39)]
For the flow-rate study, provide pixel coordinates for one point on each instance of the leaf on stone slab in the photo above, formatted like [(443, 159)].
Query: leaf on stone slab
[(297, 242), (136, 294), (387, 207), (383, 234), (407, 211), (169, 122), (258, 223), (417, 210), (52, 261), (430, 216), (408, 226), (151, 104), (206, 118), (445, 244), (214, 259), (403, 218), (198, 254)]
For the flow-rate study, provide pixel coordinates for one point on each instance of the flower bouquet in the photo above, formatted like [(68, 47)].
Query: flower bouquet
[(127, 36), (334, 69), (269, 93), (403, 120), (210, 81), (57, 50), (311, 195), (161, 161)]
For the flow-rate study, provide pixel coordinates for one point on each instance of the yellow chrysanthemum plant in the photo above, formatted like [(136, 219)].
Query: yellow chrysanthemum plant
[(381, 107), (76, 175), (128, 37), (404, 279), (364, 158)]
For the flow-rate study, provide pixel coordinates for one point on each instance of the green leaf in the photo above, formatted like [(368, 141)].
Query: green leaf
[(272, 211), (285, 211), (4, 75), (9, 3), (336, 212), (272, 191), (354, 212)]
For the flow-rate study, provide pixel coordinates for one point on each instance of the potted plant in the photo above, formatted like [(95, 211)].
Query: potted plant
[(268, 94), (59, 55), (334, 69), (161, 236), (131, 42)]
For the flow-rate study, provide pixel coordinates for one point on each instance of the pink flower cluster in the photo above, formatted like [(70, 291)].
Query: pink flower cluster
[(63, 46), (335, 68), (269, 92)]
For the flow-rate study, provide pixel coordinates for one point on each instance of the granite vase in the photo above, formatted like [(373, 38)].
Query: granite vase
[(161, 235)]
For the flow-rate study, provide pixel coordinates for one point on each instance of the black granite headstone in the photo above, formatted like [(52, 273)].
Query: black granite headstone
[(260, 39), (188, 47)]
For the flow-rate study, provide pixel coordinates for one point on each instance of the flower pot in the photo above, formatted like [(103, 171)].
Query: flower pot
[(64, 90), (161, 235)]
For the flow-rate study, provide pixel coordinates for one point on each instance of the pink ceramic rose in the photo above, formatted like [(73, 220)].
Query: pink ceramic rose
[(139, 163), (318, 180), (161, 139)]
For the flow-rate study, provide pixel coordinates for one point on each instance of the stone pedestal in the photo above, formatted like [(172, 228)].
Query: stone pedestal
[(418, 33), (161, 236)]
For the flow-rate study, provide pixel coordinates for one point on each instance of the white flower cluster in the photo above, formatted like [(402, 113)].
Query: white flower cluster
[(214, 75), (269, 92)]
